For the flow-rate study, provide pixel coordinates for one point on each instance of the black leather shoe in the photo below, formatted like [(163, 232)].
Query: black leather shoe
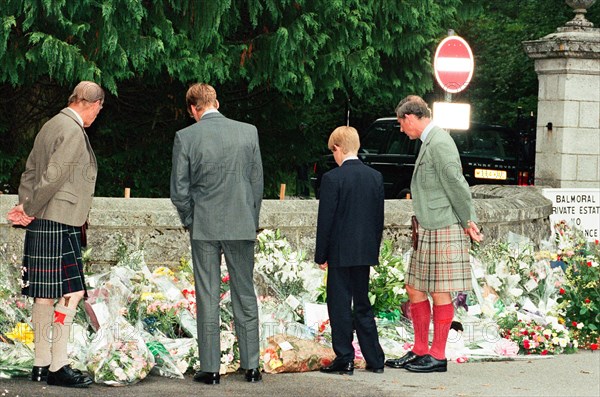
[(342, 368), (402, 361), (253, 375), (427, 363), (39, 374), (68, 377), (210, 378), (374, 370)]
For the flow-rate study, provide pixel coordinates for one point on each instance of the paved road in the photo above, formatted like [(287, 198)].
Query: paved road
[(564, 375)]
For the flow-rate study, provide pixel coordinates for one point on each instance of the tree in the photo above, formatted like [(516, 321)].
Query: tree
[(295, 59), (504, 77)]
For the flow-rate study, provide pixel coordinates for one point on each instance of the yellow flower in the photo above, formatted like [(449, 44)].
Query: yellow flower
[(164, 271), (23, 333)]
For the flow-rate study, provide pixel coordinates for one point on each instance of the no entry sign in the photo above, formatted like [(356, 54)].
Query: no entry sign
[(453, 64)]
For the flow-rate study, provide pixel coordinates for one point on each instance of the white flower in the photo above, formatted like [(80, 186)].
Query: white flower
[(493, 281), (580, 325), (502, 269), (563, 342), (516, 292)]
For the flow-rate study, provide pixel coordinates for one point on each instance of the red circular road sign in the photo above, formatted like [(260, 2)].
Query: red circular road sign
[(453, 64)]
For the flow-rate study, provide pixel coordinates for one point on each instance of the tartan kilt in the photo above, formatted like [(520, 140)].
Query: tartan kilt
[(52, 264), (441, 261)]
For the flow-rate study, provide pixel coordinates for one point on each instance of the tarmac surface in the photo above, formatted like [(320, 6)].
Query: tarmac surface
[(564, 375)]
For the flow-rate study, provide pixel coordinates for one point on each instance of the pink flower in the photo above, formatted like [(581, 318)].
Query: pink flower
[(506, 347), (225, 278), (462, 359), (357, 352)]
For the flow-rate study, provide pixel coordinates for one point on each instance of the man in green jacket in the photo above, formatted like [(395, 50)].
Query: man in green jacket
[(440, 263)]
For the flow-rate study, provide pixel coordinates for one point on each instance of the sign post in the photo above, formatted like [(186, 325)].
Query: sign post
[(453, 64)]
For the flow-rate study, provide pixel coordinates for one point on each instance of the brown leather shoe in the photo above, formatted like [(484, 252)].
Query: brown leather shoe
[(68, 377)]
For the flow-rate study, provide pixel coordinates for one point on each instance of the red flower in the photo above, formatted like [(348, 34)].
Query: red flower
[(525, 332), (587, 300), (225, 278), (526, 343), (544, 352), (574, 323), (596, 242), (589, 263), (561, 291), (594, 346)]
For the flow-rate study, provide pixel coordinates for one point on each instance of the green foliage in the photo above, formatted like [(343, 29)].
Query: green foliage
[(504, 77), (579, 300), (291, 67), (386, 285)]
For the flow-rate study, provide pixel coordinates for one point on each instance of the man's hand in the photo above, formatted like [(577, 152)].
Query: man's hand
[(18, 217), (323, 266), (473, 232)]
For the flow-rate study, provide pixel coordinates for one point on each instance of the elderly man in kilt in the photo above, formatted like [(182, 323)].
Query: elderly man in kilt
[(446, 220), (55, 197)]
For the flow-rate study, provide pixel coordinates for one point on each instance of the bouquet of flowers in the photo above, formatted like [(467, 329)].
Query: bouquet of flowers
[(532, 338), (286, 353), (579, 294), (119, 356), (386, 284)]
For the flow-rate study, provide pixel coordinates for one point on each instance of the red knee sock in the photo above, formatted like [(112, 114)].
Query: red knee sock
[(421, 317), (442, 319)]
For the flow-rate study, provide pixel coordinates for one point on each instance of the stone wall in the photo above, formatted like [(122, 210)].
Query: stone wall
[(153, 224)]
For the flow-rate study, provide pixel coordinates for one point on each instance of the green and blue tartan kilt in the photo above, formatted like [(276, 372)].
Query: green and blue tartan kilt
[(52, 260), (441, 261)]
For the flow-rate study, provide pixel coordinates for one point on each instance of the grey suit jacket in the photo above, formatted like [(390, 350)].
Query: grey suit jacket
[(217, 178), (60, 174), (441, 195)]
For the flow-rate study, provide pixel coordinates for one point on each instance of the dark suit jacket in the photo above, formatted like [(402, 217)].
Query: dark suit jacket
[(350, 219), (217, 178), (60, 175)]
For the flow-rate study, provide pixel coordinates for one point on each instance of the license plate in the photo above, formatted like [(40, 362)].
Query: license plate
[(490, 174)]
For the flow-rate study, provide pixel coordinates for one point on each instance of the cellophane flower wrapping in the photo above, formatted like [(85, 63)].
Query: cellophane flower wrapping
[(16, 360), (286, 353), (119, 356)]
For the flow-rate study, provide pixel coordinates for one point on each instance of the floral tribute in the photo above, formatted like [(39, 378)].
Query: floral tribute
[(525, 302)]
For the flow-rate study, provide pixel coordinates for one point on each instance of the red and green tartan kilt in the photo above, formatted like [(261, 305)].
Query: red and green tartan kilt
[(52, 260), (441, 261)]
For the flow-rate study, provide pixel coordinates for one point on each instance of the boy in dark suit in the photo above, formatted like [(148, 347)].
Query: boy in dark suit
[(349, 230)]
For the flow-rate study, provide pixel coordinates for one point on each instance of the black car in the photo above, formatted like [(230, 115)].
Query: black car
[(489, 154)]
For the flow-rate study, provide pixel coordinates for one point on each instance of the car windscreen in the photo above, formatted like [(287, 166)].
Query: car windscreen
[(487, 143)]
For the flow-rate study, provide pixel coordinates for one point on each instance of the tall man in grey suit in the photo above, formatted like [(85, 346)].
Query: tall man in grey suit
[(440, 263), (55, 197), (217, 187)]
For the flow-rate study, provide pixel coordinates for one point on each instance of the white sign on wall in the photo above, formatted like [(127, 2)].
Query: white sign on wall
[(579, 206)]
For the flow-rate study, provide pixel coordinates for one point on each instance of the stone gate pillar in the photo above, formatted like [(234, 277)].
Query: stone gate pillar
[(568, 120)]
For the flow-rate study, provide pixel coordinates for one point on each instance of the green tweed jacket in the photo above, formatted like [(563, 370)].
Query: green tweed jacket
[(441, 195)]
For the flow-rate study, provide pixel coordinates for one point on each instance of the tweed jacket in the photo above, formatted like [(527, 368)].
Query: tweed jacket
[(60, 174), (441, 195), (350, 217), (217, 178)]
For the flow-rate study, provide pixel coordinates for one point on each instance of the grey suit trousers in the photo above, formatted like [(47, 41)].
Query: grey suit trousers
[(239, 257)]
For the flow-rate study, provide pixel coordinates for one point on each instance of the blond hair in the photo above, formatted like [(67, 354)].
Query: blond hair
[(346, 138), (201, 96)]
